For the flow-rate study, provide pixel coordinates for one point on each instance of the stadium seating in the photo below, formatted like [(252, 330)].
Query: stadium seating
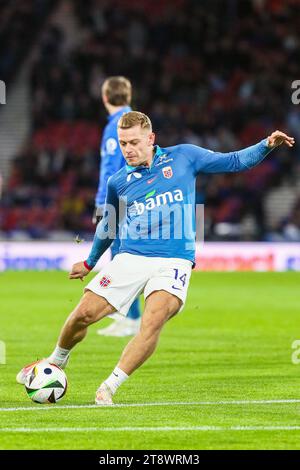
[(202, 77), (20, 22)]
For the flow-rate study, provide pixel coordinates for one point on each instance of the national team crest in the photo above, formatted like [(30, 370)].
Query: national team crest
[(105, 281), (167, 172)]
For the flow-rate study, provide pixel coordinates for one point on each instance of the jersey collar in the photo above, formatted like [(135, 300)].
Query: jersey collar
[(158, 153), (119, 113)]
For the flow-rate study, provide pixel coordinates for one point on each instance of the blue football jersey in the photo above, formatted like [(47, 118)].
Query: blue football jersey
[(155, 207), (111, 156)]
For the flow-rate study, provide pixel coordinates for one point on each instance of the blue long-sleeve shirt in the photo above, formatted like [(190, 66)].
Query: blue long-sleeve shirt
[(111, 156), (155, 206)]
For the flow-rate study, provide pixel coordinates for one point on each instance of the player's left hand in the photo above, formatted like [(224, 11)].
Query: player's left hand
[(78, 271), (277, 138)]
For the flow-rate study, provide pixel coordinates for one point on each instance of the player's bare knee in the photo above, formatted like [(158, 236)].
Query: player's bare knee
[(152, 324), (84, 315)]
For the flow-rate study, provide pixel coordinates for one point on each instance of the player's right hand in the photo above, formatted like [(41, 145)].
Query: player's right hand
[(97, 215), (78, 271), (277, 138)]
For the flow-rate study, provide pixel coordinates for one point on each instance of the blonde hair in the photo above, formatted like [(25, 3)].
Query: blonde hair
[(117, 90), (135, 118)]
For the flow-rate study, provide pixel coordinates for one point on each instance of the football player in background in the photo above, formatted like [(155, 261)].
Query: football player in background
[(116, 97)]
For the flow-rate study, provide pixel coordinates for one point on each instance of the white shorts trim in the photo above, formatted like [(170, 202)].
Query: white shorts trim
[(122, 280)]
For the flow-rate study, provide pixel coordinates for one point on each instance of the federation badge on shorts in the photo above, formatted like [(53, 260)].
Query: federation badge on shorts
[(105, 281), (167, 172)]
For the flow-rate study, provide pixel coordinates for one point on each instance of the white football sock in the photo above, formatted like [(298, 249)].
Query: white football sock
[(59, 355), (116, 379)]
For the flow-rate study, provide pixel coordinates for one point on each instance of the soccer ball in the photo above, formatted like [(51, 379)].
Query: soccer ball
[(46, 383)]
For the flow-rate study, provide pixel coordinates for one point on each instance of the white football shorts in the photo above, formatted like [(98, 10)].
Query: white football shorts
[(122, 280)]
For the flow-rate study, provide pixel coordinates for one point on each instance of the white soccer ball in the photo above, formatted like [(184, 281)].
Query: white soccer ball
[(46, 383)]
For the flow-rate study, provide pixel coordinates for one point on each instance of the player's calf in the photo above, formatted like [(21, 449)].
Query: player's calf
[(90, 309), (160, 307)]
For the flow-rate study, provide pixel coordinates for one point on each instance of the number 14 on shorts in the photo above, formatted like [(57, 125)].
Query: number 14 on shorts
[(180, 278)]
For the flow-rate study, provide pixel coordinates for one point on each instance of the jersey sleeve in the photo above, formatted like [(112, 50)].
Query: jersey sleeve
[(107, 228), (111, 161), (206, 161)]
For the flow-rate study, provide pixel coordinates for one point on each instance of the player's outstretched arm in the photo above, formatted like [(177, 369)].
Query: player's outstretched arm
[(207, 161)]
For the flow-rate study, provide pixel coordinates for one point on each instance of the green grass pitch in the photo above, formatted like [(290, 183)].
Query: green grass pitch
[(223, 362)]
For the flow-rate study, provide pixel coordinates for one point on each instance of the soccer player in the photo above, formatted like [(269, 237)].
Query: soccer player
[(155, 183), (116, 97)]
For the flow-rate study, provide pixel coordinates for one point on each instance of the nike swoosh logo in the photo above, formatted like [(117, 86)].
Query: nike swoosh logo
[(152, 179), (115, 374), (177, 288)]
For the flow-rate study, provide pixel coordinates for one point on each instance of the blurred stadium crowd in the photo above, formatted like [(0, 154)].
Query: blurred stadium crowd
[(19, 23), (216, 74)]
